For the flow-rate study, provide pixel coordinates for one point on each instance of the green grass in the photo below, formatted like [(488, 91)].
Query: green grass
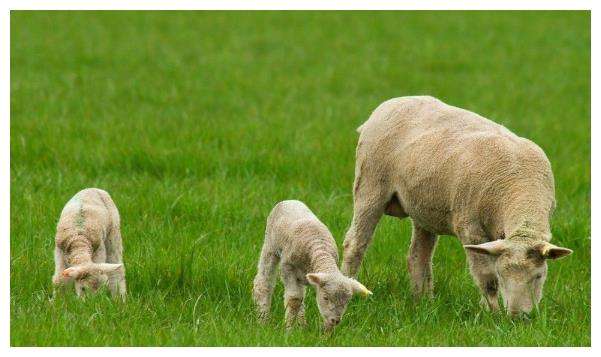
[(197, 123)]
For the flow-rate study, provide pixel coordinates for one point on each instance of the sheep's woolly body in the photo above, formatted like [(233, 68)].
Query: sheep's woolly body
[(453, 172), (88, 232)]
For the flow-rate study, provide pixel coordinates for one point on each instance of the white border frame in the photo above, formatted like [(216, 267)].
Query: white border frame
[(278, 5), (303, 5)]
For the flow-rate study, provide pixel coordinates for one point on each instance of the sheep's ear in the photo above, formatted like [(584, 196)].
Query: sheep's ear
[(550, 251), (360, 289), (317, 279), (494, 248), (108, 268), (71, 273)]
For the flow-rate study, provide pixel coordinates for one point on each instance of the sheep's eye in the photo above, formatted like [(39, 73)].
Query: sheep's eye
[(325, 298)]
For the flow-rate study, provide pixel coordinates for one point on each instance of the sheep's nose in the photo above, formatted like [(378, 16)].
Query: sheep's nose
[(334, 321)]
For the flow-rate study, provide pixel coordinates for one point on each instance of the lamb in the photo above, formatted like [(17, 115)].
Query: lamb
[(307, 254), (454, 172), (88, 248)]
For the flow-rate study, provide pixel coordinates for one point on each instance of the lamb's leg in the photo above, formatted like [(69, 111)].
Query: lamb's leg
[(59, 266), (482, 269), (79, 290), (294, 294), (100, 255), (300, 315), (264, 282), (420, 261), (368, 207), (114, 255)]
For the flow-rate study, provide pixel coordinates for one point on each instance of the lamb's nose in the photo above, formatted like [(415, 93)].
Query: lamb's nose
[(517, 314), (334, 321)]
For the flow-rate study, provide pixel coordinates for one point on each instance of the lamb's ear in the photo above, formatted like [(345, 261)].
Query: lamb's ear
[(358, 288), (494, 247), (109, 268), (550, 251), (71, 273), (317, 279)]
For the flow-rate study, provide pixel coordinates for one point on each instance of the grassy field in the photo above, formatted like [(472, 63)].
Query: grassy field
[(197, 123)]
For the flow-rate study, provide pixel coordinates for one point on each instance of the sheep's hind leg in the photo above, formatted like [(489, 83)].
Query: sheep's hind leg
[(370, 201), (294, 294), (420, 261), (264, 283)]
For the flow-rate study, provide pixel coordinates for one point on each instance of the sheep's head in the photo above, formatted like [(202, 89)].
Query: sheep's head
[(521, 268), (89, 277), (334, 291)]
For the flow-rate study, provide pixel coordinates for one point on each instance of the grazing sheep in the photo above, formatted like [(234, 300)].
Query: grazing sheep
[(88, 248), (454, 172), (307, 254)]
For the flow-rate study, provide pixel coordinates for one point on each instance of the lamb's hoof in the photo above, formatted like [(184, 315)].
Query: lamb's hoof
[(263, 317), (328, 330), (423, 294), (119, 298), (290, 326), (488, 306)]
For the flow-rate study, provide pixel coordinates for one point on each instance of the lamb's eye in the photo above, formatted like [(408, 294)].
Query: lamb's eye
[(325, 298), (537, 277)]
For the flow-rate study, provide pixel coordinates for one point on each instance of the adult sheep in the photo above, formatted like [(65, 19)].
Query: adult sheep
[(454, 172)]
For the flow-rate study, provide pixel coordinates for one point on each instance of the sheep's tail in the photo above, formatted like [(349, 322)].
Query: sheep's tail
[(360, 128)]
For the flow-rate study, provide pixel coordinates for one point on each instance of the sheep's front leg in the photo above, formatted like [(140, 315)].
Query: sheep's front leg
[(420, 261), (294, 294), (482, 269)]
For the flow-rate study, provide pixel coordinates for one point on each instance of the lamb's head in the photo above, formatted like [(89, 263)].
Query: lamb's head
[(334, 291), (91, 276), (521, 268)]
